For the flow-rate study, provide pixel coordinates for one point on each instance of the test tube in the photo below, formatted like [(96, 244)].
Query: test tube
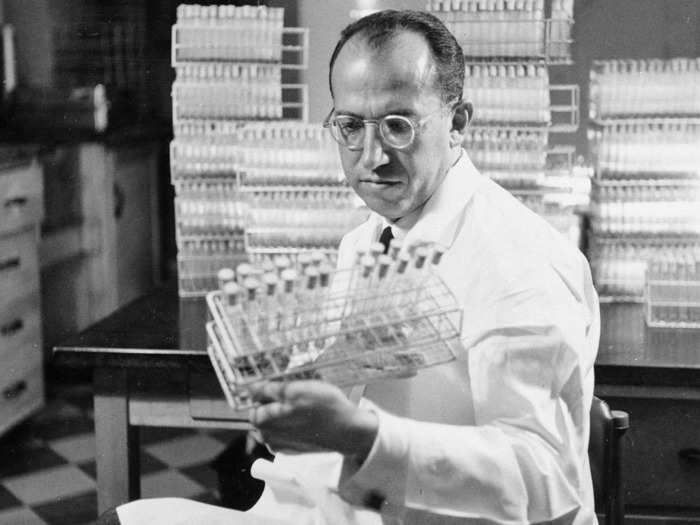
[(438, 252), (421, 256), (317, 258), (282, 263), (367, 263), (232, 292), (223, 276), (395, 247), (303, 260), (376, 249), (384, 291), (268, 318), (402, 262), (287, 304), (243, 271)]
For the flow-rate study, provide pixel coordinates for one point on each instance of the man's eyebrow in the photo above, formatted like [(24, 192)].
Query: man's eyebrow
[(402, 112)]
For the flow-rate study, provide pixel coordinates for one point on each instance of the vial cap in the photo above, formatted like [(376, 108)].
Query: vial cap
[(270, 278), (367, 261), (376, 249), (251, 283), (317, 258), (243, 270), (304, 259), (231, 288), (288, 275), (282, 262)]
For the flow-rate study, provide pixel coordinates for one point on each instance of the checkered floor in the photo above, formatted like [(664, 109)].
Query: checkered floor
[(47, 464)]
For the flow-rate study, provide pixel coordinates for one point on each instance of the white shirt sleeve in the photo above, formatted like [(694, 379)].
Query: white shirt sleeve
[(518, 463)]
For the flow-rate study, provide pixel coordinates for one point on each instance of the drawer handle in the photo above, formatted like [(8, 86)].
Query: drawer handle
[(14, 390), (16, 202), (690, 454), (8, 264), (12, 327)]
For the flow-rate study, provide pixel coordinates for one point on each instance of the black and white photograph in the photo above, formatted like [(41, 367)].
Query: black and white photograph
[(349, 262)]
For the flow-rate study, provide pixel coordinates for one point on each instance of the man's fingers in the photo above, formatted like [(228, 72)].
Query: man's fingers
[(268, 391), (265, 414)]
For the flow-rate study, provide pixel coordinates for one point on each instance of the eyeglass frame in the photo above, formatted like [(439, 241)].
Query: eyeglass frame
[(415, 126)]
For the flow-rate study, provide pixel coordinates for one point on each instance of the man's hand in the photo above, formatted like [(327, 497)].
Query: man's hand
[(308, 416)]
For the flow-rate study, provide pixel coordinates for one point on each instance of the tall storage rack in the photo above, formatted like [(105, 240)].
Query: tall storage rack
[(509, 46), (645, 145), (252, 178)]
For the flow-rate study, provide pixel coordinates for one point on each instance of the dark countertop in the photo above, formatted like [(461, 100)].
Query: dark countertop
[(162, 330), (14, 142)]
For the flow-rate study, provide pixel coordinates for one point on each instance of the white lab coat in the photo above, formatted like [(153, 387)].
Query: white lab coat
[(501, 434)]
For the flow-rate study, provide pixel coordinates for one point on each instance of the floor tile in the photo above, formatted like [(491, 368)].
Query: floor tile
[(21, 516), (202, 474), (74, 510), (185, 451), (89, 467), (56, 427), (22, 460), (169, 483), (78, 394), (150, 435), (49, 485), (7, 499), (150, 464), (210, 497), (75, 448), (225, 435)]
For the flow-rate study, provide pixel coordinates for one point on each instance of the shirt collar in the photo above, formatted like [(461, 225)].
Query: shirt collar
[(401, 227), (438, 220)]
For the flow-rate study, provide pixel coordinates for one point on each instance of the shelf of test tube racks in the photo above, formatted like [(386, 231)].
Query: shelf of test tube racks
[(232, 154), (646, 148), (645, 88), (518, 95), (666, 207), (523, 158), (386, 316), (510, 28), (645, 118), (619, 263), (229, 61), (673, 292), (224, 231)]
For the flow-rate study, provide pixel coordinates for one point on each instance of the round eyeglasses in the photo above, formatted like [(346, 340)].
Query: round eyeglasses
[(396, 131)]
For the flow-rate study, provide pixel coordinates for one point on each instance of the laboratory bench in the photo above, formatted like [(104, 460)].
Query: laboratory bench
[(150, 368)]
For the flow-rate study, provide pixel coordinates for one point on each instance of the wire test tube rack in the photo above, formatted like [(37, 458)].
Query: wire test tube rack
[(384, 317)]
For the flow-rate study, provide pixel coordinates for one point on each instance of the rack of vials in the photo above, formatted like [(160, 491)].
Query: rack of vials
[(644, 141), (248, 170), (509, 46), (673, 290), (389, 315)]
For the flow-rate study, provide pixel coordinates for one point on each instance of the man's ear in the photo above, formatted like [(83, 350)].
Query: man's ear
[(460, 120)]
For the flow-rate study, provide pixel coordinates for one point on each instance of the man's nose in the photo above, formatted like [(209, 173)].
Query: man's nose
[(373, 154)]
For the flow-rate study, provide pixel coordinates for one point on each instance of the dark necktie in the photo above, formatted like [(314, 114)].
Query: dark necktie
[(385, 238)]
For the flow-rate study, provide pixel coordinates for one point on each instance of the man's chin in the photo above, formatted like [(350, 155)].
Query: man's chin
[(388, 210)]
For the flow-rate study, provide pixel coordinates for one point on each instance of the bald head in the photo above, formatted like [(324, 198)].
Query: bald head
[(384, 31), (412, 66)]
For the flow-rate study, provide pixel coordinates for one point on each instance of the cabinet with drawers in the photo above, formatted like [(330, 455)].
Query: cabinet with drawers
[(21, 355)]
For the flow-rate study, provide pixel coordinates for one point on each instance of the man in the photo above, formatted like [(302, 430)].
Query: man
[(500, 435)]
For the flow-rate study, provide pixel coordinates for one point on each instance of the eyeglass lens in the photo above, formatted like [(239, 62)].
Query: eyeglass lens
[(395, 130)]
